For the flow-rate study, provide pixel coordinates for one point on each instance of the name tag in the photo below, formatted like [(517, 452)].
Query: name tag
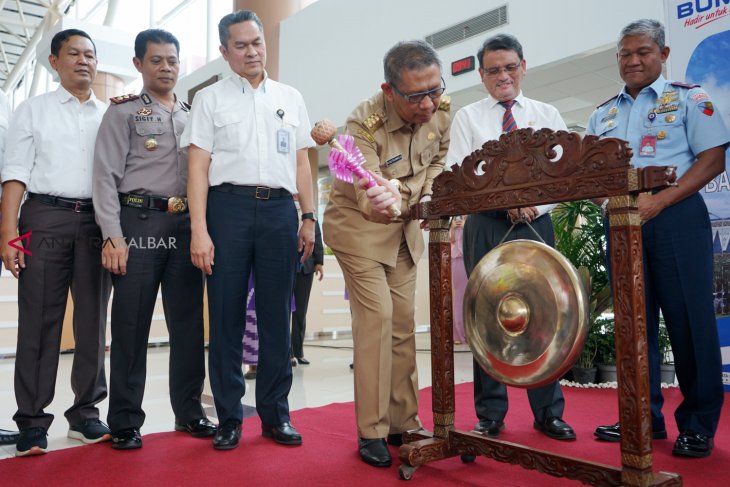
[(393, 160), (648, 146), (282, 141)]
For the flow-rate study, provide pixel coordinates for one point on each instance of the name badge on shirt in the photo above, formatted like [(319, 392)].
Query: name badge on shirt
[(282, 141), (648, 146)]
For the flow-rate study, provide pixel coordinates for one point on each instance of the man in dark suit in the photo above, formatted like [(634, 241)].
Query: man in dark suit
[(302, 289)]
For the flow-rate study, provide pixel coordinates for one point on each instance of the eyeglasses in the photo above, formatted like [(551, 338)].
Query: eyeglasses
[(418, 97), (509, 69)]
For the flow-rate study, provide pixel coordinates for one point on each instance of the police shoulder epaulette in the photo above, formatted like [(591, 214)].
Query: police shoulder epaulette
[(684, 85), (605, 102), (185, 106), (445, 104), (374, 121), (117, 100)]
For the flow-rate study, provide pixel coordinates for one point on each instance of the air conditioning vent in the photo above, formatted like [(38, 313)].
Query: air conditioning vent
[(469, 28)]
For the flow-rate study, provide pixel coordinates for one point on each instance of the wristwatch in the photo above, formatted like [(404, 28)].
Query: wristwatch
[(308, 216)]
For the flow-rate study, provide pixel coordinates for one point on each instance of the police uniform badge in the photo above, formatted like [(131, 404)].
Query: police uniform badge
[(146, 99), (150, 143), (144, 111)]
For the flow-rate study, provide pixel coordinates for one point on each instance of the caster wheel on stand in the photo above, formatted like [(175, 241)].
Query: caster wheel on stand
[(406, 471)]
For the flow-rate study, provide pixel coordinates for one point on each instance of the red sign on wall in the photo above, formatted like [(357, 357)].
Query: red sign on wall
[(462, 66)]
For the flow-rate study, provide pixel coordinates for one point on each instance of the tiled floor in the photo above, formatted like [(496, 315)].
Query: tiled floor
[(328, 379)]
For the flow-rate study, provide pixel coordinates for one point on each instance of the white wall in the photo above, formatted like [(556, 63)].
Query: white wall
[(332, 50), (217, 67)]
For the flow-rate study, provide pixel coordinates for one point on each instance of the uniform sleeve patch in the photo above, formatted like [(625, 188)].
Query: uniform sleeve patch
[(700, 96), (706, 108)]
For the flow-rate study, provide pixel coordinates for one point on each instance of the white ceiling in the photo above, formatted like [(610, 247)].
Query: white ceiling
[(19, 20)]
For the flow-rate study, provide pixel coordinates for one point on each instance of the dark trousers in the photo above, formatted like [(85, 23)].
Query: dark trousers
[(678, 280), (159, 255), (483, 232), (66, 249), (250, 233), (302, 290)]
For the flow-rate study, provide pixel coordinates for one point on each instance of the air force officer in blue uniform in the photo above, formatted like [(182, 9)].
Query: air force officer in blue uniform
[(668, 123)]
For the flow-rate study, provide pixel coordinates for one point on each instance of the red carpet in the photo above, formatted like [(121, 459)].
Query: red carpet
[(329, 456)]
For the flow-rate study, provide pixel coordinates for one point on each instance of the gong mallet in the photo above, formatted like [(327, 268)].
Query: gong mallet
[(345, 159)]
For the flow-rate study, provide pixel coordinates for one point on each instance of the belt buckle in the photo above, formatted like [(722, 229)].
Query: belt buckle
[(176, 204), (77, 207), (259, 196)]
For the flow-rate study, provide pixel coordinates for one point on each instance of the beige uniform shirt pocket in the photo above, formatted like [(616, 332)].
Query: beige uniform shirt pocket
[(429, 153)]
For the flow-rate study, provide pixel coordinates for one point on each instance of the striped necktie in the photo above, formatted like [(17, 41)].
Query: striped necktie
[(508, 121)]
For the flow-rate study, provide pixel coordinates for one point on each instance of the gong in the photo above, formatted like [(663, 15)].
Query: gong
[(526, 313)]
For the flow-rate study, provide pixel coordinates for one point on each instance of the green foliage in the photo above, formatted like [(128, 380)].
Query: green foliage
[(665, 346), (579, 236), (603, 330), (588, 355)]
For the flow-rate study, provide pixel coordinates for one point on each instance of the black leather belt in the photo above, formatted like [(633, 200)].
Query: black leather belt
[(258, 192), (77, 205), (172, 204)]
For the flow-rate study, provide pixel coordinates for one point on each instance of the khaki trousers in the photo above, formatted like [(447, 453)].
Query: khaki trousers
[(383, 329)]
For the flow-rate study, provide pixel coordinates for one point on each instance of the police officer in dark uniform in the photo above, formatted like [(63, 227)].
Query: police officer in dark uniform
[(140, 178)]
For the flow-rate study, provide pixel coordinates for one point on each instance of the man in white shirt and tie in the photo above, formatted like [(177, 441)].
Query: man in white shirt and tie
[(502, 68), (51, 158)]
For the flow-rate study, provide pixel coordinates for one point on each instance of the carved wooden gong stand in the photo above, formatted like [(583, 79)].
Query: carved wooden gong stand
[(522, 169)]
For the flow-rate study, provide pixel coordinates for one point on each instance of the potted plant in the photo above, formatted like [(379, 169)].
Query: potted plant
[(665, 350), (579, 236), (606, 356), (584, 370)]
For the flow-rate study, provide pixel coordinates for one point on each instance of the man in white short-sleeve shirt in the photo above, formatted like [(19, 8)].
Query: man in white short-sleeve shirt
[(248, 137)]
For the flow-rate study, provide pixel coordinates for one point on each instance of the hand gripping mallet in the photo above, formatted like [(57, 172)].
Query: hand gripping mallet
[(345, 158)]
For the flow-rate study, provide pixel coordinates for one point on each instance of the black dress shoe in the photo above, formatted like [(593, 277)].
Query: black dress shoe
[(612, 433), (9, 437), (555, 428), (302, 361), (374, 452), (489, 427), (693, 445), (283, 433), (199, 428), (227, 436), (127, 439)]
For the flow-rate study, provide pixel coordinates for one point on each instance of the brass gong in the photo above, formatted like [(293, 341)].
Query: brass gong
[(526, 313)]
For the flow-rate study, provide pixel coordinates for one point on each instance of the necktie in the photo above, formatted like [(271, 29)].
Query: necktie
[(508, 121)]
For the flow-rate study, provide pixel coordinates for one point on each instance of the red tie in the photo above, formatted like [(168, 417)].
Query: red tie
[(508, 121)]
